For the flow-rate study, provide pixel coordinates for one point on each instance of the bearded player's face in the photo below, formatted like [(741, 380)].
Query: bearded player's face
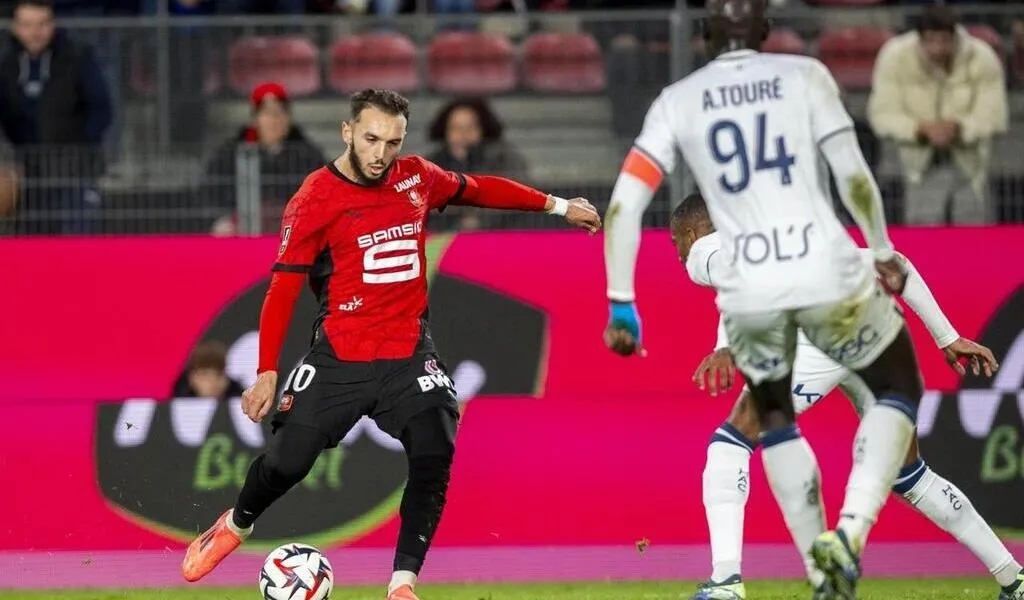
[(374, 140)]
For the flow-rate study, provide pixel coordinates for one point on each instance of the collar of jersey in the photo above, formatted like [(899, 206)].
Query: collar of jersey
[(733, 54)]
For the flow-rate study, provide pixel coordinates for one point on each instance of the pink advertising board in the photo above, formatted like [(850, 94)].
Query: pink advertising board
[(562, 443)]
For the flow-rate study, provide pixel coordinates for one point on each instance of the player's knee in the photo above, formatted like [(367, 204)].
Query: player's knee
[(431, 433), (291, 456), (744, 418), (912, 477), (282, 472), (727, 433), (779, 435), (902, 403)]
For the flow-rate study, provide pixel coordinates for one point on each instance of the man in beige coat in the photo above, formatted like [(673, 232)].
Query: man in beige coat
[(940, 94)]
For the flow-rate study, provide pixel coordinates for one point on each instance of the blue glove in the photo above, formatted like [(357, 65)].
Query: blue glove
[(623, 315)]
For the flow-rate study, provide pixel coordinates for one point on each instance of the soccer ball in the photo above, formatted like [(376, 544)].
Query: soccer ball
[(296, 572)]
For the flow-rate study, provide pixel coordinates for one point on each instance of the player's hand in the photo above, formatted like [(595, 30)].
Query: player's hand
[(622, 335), (716, 372), (583, 214), (892, 274), (257, 400), (979, 357)]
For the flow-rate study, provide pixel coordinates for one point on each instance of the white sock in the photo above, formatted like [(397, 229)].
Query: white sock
[(726, 486), (879, 449), (239, 531), (946, 506), (795, 479), (400, 578)]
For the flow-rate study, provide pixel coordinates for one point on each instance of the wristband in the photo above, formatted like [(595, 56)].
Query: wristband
[(560, 207)]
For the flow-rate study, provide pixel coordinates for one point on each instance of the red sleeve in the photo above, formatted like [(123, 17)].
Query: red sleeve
[(447, 187), (276, 315), (487, 191), (302, 231)]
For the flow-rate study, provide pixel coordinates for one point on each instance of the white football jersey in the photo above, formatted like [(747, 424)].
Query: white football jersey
[(749, 125)]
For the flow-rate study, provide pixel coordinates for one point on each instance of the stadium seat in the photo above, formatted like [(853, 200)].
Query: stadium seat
[(850, 53), (462, 62), (563, 62), (292, 61), (989, 35), (784, 41), (381, 60)]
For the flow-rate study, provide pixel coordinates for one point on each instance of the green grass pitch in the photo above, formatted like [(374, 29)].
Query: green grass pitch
[(903, 589)]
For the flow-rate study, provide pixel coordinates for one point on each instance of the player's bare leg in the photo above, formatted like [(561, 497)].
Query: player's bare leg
[(949, 508), (292, 452), (429, 441)]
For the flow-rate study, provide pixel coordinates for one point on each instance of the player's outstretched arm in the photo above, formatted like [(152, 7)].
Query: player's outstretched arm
[(956, 349), (919, 298), (487, 191)]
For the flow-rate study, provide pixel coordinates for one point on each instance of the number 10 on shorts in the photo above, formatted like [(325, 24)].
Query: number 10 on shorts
[(301, 376)]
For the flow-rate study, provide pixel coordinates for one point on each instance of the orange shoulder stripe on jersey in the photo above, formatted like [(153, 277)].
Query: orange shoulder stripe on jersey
[(643, 167)]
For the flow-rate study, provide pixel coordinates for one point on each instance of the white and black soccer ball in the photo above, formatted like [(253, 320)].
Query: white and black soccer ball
[(296, 572)]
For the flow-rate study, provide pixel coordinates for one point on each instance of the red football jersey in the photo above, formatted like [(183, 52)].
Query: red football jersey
[(364, 249)]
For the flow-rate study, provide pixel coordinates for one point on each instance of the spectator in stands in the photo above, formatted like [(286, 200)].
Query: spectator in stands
[(383, 8), (285, 154), (470, 138), (941, 95), (206, 375), (54, 109)]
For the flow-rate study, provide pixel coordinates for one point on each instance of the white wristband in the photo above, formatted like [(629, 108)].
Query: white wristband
[(560, 207)]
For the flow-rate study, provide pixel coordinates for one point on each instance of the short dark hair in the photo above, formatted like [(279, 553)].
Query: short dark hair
[(938, 17), (490, 125), (210, 354), (36, 3), (692, 209), (388, 101)]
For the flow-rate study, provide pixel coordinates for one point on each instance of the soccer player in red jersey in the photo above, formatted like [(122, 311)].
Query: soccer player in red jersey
[(356, 228)]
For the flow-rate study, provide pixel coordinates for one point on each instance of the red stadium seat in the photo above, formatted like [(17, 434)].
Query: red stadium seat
[(461, 62), (850, 53), (563, 62), (142, 73), (784, 41), (990, 36), (380, 60), (844, 2), (293, 61)]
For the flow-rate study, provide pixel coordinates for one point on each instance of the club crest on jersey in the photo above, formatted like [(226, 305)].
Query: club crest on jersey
[(285, 235), (415, 198), (286, 403)]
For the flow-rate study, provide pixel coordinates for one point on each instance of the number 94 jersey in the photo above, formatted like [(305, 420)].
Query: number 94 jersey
[(363, 247), (749, 126)]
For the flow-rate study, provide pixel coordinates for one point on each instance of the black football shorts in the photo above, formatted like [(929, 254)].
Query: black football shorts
[(331, 395)]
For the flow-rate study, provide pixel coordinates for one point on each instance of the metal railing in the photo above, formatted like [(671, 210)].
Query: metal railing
[(171, 161)]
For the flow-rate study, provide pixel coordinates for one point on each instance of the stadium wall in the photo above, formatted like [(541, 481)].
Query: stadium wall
[(564, 448)]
